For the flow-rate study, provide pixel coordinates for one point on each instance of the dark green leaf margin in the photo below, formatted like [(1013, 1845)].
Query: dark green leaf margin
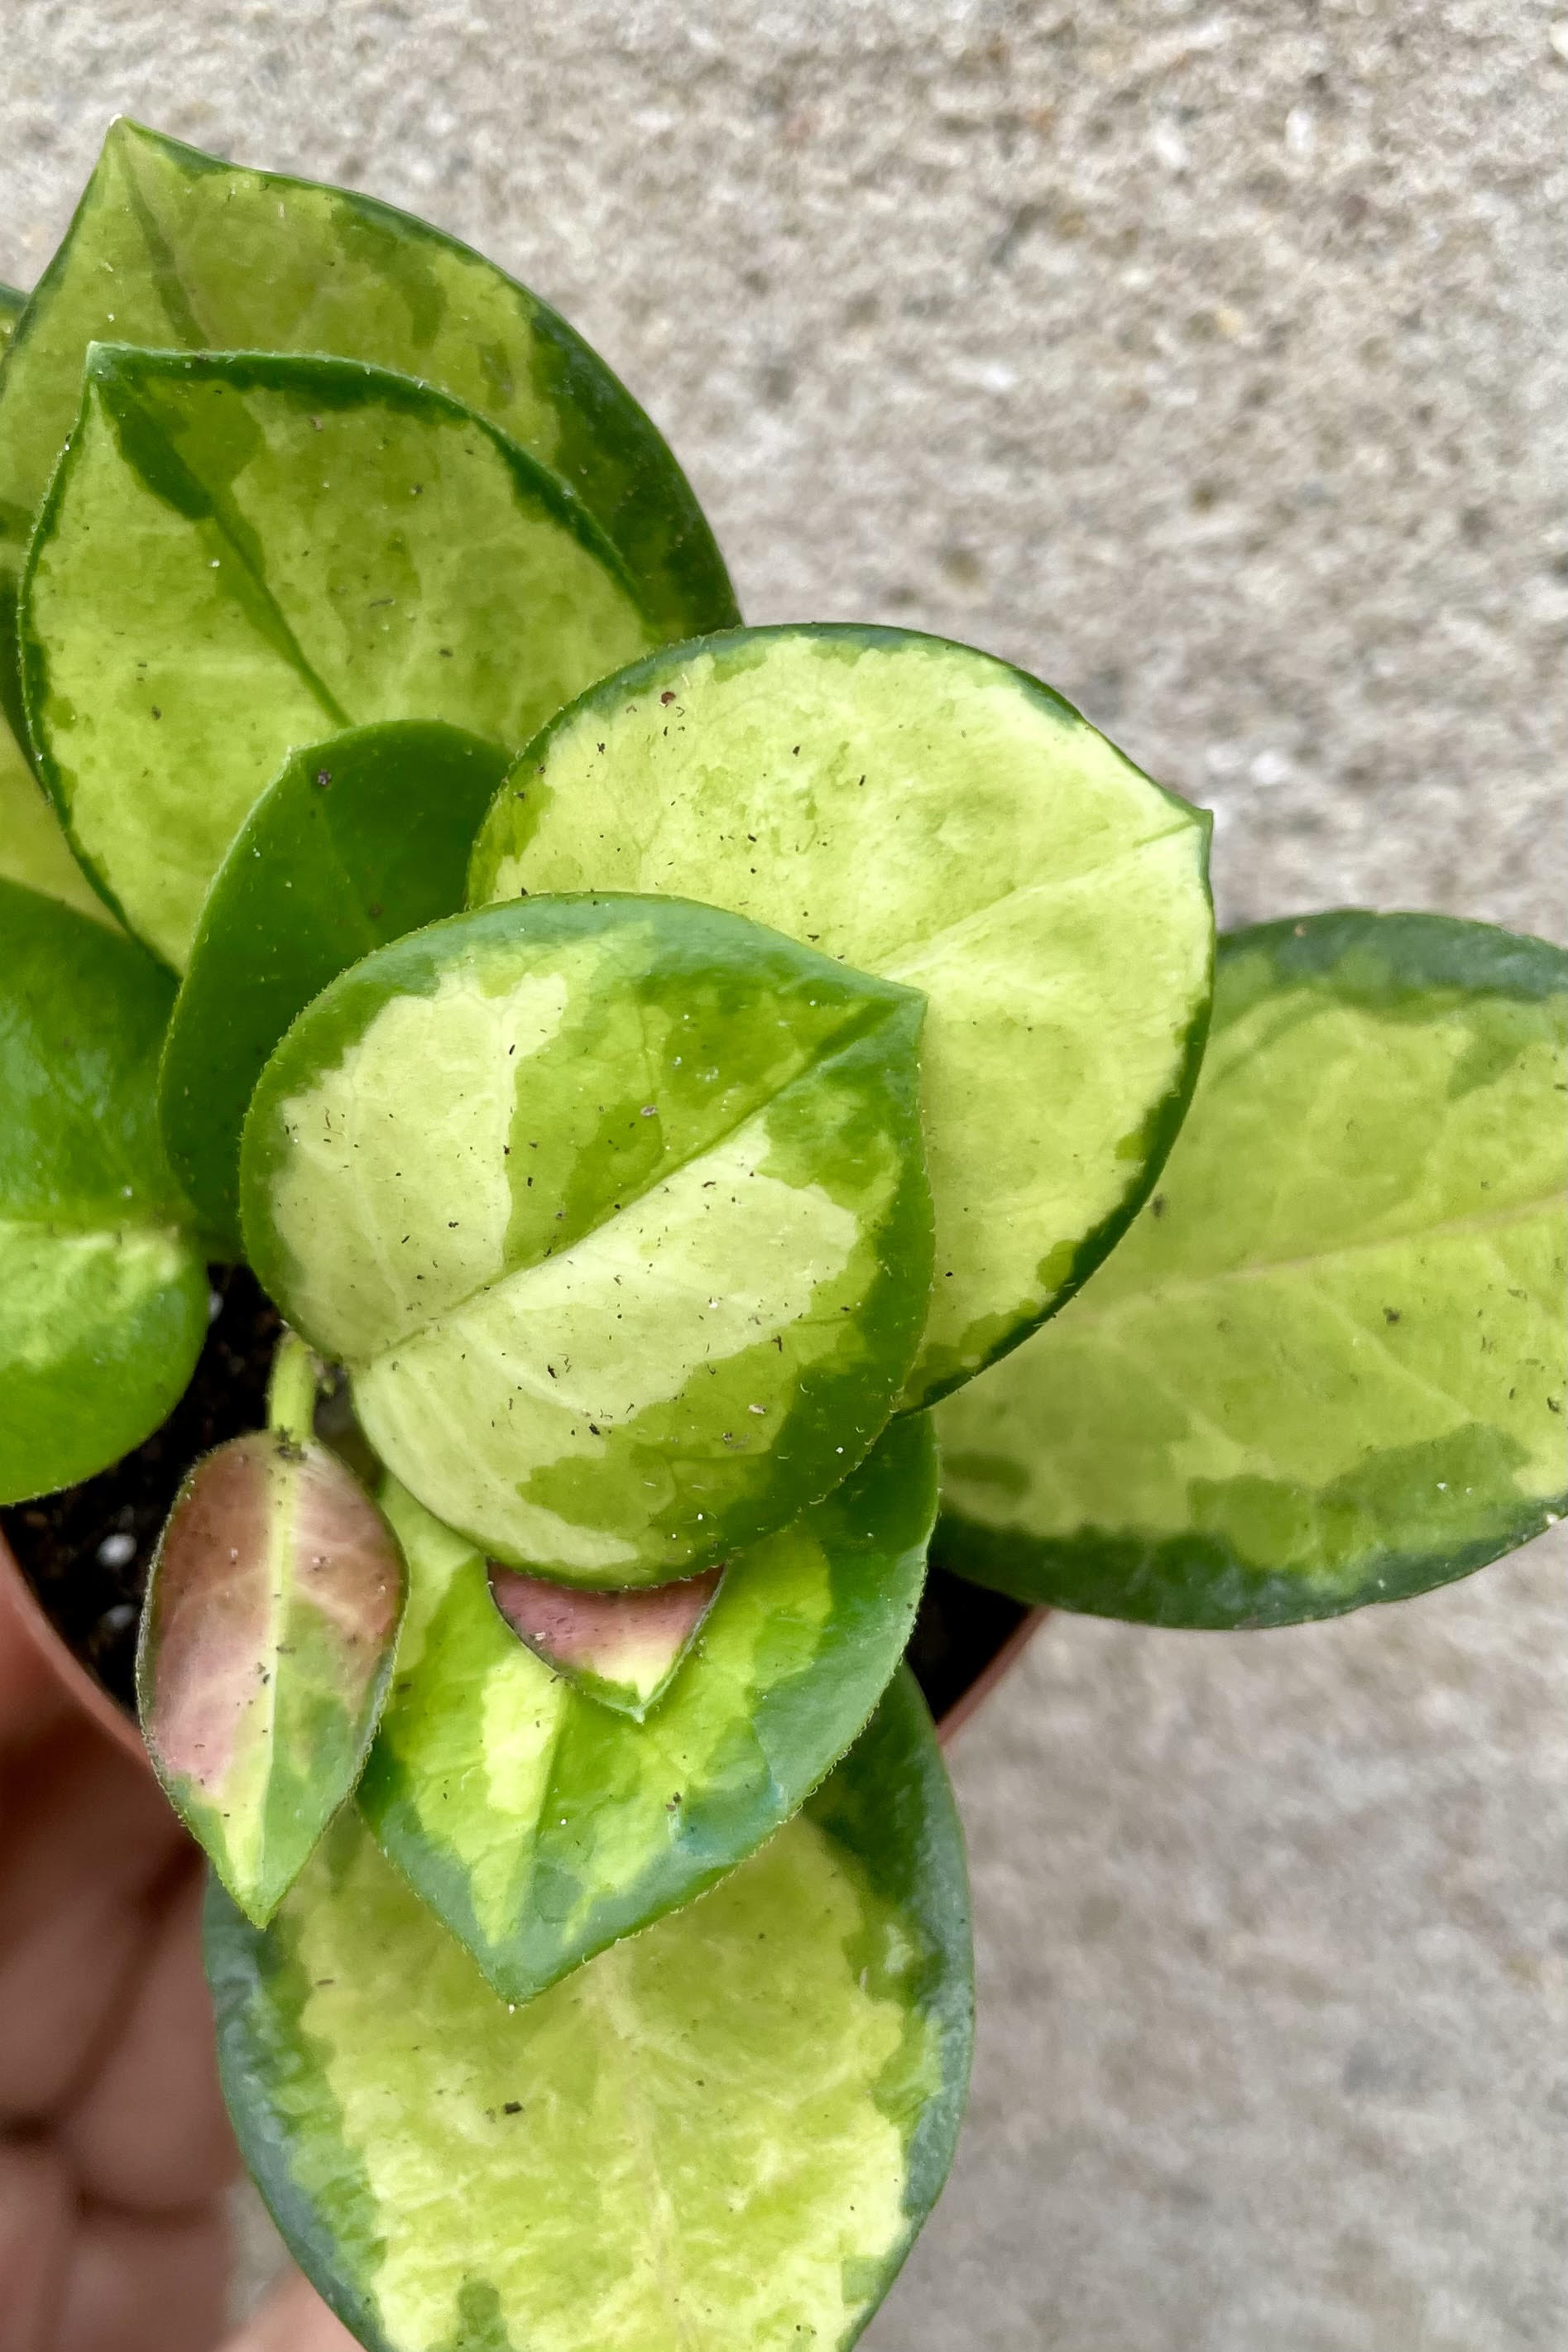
[(887, 1815), (170, 247), (1073, 1421)]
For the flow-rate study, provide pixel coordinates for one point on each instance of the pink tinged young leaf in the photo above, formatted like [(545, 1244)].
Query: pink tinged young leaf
[(621, 1648), (267, 1647)]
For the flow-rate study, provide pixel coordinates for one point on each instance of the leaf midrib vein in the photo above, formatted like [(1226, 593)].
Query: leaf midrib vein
[(874, 1012), (179, 300), (916, 951)]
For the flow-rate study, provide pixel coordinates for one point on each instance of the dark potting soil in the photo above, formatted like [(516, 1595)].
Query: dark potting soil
[(958, 1632), (86, 1551)]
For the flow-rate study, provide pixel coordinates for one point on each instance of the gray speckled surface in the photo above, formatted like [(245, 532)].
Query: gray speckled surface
[(1202, 359)]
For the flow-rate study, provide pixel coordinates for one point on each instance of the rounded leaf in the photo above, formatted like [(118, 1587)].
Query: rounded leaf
[(614, 1208), (539, 1825), (621, 1648), (724, 2132), (1325, 1366), (173, 248), (925, 811), (300, 545)]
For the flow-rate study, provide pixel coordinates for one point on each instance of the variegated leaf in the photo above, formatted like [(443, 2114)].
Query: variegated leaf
[(1326, 1365), (928, 813), (175, 249), (615, 1211), (724, 2133), (267, 1644), (103, 1292), (300, 545), (33, 847), (539, 1825)]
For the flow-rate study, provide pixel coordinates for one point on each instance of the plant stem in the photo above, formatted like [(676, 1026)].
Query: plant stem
[(291, 1390)]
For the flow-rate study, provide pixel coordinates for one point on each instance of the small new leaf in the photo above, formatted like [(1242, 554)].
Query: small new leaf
[(620, 1648), (266, 1644)]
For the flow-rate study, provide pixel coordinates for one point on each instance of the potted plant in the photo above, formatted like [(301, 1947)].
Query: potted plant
[(535, 1118)]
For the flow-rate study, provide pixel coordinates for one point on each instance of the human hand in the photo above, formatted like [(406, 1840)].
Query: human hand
[(115, 2151)]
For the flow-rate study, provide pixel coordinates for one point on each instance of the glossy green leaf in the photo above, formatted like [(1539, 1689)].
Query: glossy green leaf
[(103, 1297), (539, 1825), (298, 545), (724, 2132), (12, 305), (926, 813), (1326, 1366), (614, 1208), (360, 839), (620, 1648), (266, 1649), (173, 248)]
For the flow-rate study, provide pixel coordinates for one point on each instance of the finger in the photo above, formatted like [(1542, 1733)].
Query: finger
[(32, 1698), (145, 2286), (87, 1840), (293, 2320), (36, 2211), (148, 2130)]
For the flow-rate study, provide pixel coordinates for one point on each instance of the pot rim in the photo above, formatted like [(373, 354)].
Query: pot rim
[(84, 1687), (999, 1664)]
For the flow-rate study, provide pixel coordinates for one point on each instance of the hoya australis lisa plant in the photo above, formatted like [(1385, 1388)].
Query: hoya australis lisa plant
[(628, 1088)]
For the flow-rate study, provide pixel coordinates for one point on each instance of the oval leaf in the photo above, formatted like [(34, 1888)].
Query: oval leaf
[(724, 2133), (267, 1644), (615, 1211), (173, 248), (103, 1295), (360, 839), (297, 550), (924, 811), (539, 1826), (1326, 1365), (620, 1648)]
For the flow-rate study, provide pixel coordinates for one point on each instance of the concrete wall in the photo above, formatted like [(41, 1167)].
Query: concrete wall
[(1200, 358)]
